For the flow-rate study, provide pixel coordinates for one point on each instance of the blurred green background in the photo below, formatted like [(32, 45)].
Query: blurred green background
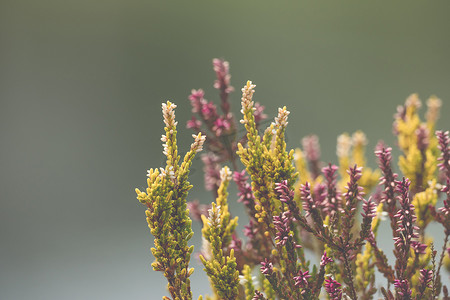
[(81, 84)]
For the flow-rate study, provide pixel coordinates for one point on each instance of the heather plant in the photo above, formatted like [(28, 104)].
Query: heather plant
[(296, 203)]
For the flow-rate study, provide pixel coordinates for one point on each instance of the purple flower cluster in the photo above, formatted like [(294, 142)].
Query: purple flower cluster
[(333, 289), (245, 193), (222, 69), (369, 209), (444, 146), (354, 191), (285, 194), (211, 171), (403, 289), (325, 260), (423, 139), (207, 111), (333, 196), (302, 279), (282, 225), (308, 203), (312, 152), (258, 296), (405, 217), (446, 208), (388, 178), (266, 267), (425, 277)]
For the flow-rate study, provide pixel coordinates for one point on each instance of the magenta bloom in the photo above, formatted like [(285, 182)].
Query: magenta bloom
[(283, 228), (285, 194), (266, 267), (333, 289), (302, 279), (403, 288), (197, 99), (325, 260), (221, 124)]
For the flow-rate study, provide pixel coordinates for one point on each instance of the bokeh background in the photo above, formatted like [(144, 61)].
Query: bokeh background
[(81, 84)]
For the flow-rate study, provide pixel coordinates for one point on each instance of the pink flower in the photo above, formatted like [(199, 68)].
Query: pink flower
[(196, 98), (193, 123), (220, 125)]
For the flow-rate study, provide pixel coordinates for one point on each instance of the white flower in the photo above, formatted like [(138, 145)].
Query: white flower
[(243, 280), (344, 143), (225, 174), (281, 119), (199, 140), (168, 110), (247, 95)]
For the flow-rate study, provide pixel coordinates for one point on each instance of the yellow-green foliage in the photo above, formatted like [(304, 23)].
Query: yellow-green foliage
[(266, 159), (217, 231), (419, 165), (167, 216), (249, 287), (350, 152), (268, 290), (421, 201)]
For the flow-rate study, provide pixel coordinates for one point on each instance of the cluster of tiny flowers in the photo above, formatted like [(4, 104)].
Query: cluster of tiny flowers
[(250, 230), (221, 124), (197, 100), (359, 139), (446, 208), (333, 288), (444, 146), (344, 144), (403, 288), (211, 170), (165, 146), (434, 104), (258, 113), (325, 260), (423, 139), (199, 140), (311, 147), (418, 247), (405, 216), (413, 100), (169, 114), (281, 119), (285, 194), (320, 196), (225, 174), (245, 193), (302, 279), (258, 296), (388, 178), (214, 217), (266, 267), (222, 69), (333, 197), (369, 209), (283, 228), (308, 203), (425, 277), (292, 198), (354, 191), (247, 96)]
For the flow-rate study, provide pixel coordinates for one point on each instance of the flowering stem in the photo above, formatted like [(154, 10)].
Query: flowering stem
[(444, 248)]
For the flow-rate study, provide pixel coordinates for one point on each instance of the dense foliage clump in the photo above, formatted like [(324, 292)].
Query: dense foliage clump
[(295, 202)]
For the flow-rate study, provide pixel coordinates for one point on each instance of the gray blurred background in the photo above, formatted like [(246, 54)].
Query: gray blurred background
[(81, 84)]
